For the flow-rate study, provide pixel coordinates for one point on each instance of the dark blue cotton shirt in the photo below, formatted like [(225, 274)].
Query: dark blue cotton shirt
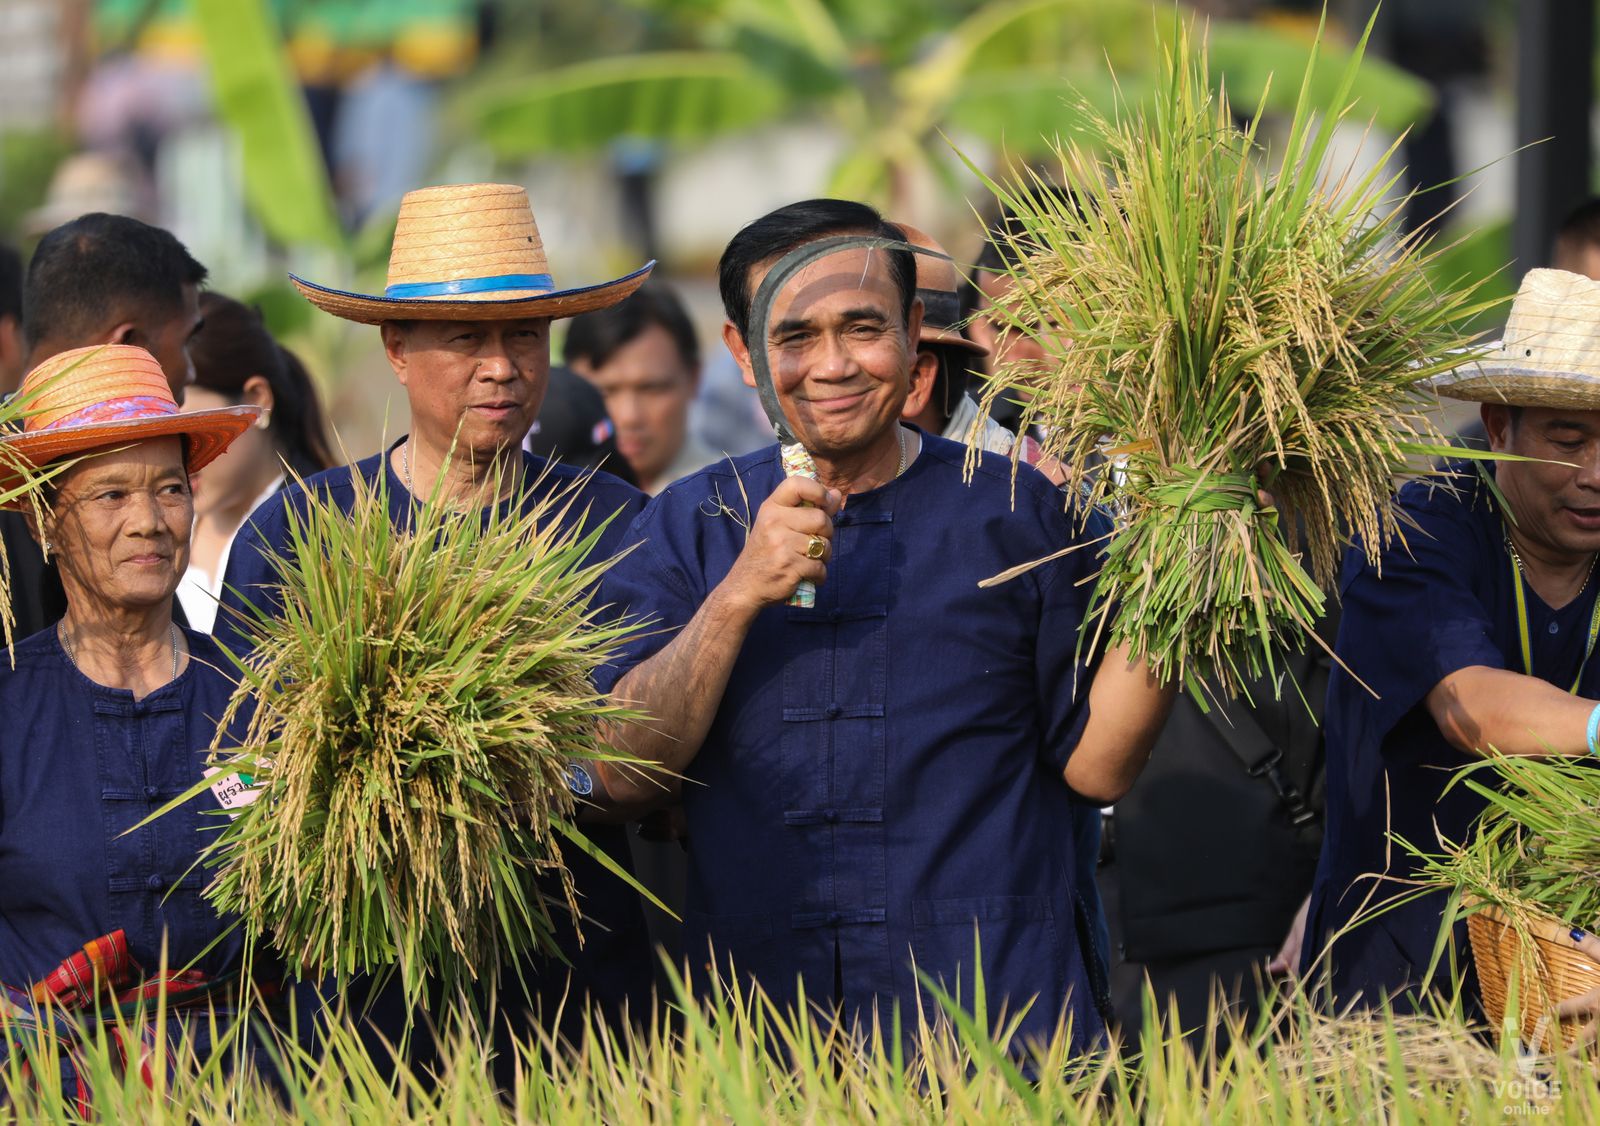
[(1445, 602), (883, 778), (613, 965), (80, 766)]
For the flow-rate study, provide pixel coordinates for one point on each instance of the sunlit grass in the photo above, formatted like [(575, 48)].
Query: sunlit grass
[(734, 1057)]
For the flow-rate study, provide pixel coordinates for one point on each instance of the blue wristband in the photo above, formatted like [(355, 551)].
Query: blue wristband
[(1594, 731)]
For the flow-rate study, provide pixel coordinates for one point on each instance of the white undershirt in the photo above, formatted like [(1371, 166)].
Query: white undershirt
[(198, 592)]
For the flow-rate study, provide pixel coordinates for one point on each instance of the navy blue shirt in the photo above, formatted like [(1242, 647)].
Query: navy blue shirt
[(80, 766), (1445, 602), (883, 776), (613, 965)]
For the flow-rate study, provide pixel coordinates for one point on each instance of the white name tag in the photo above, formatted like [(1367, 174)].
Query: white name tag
[(232, 789)]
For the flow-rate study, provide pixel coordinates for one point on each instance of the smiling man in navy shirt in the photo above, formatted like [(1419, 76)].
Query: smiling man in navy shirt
[(875, 781)]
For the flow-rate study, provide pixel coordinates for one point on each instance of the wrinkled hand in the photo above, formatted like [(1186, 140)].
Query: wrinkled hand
[(774, 562), (1286, 963)]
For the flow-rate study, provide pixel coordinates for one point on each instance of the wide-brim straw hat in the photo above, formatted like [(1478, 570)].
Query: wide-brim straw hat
[(468, 252), (939, 286), (1549, 355), (105, 397)]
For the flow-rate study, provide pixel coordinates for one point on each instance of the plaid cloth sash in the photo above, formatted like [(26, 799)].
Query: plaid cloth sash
[(104, 971), (103, 980)]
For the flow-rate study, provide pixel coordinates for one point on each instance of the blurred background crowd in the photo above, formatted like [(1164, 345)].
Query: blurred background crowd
[(279, 134)]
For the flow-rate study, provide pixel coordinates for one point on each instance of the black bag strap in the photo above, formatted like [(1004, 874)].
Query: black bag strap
[(1260, 757)]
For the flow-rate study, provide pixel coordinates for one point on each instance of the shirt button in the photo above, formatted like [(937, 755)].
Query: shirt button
[(835, 615), (151, 792), (830, 815), (1554, 628), (835, 919), (154, 883), (835, 711)]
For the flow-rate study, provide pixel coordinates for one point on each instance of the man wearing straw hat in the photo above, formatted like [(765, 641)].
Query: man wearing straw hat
[(1477, 631), (465, 322), (878, 779)]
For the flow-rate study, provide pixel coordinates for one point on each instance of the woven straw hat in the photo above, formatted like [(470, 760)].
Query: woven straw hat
[(107, 396), (468, 252), (939, 286), (1550, 354)]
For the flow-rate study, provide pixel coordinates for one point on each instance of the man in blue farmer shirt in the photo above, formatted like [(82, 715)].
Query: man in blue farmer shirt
[(1476, 633), (874, 782), (465, 322)]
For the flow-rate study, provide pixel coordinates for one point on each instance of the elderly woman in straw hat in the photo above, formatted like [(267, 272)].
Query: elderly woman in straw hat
[(1478, 631), (108, 714), (465, 321)]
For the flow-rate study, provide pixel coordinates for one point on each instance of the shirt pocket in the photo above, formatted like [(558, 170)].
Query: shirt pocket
[(1016, 939)]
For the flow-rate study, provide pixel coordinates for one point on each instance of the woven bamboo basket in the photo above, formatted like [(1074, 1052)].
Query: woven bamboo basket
[(1555, 971)]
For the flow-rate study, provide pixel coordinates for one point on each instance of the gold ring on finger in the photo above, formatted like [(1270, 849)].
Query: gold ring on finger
[(816, 547)]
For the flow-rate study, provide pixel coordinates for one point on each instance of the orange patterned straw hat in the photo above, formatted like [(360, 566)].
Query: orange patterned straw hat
[(468, 252), (108, 396), (939, 286)]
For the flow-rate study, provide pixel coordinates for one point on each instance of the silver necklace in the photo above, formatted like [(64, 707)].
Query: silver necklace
[(72, 652), (405, 464), (900, 436)]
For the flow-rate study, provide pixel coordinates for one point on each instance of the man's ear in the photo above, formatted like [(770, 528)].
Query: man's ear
[(394, 346), (924, 367), (1497, 425), (740, 353), (914, 323), (125, 333)]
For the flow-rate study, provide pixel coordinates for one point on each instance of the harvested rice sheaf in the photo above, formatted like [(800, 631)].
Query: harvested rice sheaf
[(1220, 319), (409, 719)]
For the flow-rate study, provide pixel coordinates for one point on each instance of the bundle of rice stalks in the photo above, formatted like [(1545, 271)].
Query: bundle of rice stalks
[(408, 723), (1220, 321), (1528, 875)]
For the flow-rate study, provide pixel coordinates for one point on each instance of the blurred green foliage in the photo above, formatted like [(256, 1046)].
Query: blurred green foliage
[(891, 77), (27, 161)]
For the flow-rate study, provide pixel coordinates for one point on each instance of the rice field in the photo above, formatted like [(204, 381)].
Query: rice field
[(732, 1058)]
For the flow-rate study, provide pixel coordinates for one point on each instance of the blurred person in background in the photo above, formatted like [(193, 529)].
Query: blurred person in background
[(574, 429), (237, 362), (1577, 245), (643, 357), (13, 361), (100, 279), (1006, 343), (947, 361)]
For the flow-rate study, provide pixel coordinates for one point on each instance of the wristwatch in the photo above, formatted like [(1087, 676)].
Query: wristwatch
[(579, 780)]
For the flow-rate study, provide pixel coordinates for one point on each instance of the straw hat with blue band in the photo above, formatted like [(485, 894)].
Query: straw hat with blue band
[(468, 252), (1549, 355)]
